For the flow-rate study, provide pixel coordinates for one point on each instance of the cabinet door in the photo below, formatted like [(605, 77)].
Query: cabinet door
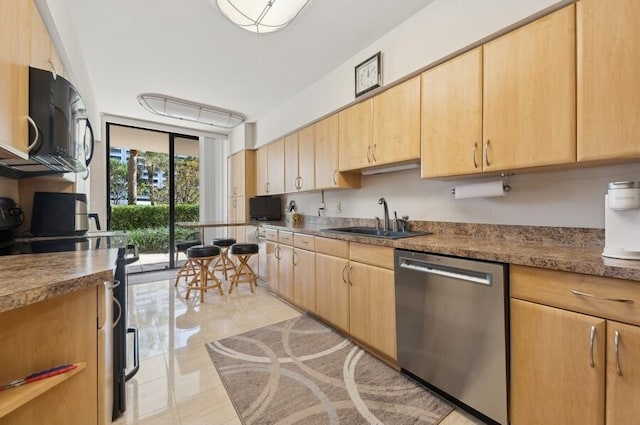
[(332, 290), (306, 158), (396, 124), (237, 174), (326, 157), (529, 105), (275, 161), (608, 84), (285, 272), (291, 163), (452, 117), (623, 374), (40, 53), (268, 267), (262, 179), (372, 307), (355, 136), (105, 354), (552, 378), (304, 274), (15, 22)]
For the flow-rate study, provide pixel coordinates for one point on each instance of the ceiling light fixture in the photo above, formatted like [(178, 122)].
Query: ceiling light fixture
[(261, 16), (181, 109)]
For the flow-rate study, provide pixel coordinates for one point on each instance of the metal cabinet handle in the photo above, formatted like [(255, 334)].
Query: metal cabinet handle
[(349, 275), (486, 153), (54, 70), (344, 270), (335, 182), (368, 153), (37, 136), (301, 183), (113, 285), (374, 153), (616, 348), (592, 339), (475, 148), (295, 256), (257, 233), (276, 252), (266, 188), (586, 294), (117, 319)]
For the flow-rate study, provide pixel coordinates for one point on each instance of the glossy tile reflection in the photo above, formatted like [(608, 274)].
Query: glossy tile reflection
[(177, 384)]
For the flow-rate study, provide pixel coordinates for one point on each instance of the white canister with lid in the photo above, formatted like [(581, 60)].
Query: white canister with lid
[(624, 195)]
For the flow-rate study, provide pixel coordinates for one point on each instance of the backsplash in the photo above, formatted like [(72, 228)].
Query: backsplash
[(569, 198)]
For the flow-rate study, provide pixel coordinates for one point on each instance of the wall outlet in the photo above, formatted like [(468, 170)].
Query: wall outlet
[(339, 207)]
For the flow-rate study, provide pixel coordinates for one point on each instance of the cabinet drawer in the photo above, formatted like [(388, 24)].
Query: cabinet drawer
[(271, 235), (379, 256), (554, 288), (304, 241), (285, 237), (332, 247)]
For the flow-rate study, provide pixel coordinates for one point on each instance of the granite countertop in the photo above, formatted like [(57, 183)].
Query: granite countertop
[(30, 278), (523, 245)]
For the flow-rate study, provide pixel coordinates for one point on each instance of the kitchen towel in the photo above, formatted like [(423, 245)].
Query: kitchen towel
[(480, 190)]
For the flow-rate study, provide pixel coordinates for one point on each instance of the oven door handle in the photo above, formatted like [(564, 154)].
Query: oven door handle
[(136, 354), (465, 275)]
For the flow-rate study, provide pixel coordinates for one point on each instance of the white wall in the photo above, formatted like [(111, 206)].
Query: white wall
[(438, 30), (573, 198)]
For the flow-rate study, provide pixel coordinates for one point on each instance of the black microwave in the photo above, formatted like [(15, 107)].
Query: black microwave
[(61, 131), (265, 208)]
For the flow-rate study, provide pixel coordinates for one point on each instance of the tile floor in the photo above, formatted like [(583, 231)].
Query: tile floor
[(177, 384)]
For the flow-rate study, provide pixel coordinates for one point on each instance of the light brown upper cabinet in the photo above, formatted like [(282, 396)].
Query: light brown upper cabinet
[(43, 53), (608, 83), (452, 117), (270, 168), (241, 174), (529, 108), (15, 23), (355, 130), (382, 130), (327, 157), (299, 161), (396, 124)]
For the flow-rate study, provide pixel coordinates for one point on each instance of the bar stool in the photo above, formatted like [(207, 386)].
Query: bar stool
[(201, 257), (223, 263), (187, 270), (244, 272)]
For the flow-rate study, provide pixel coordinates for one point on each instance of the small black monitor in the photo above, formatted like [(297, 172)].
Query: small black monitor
[(265, 208)]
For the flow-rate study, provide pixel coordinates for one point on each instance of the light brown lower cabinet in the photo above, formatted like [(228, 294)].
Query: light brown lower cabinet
[(573, 360), (332, 290), (304, 275), (71, 328), (284, 254)]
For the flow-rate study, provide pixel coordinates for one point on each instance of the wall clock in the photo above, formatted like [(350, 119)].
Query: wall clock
[(368, 75)]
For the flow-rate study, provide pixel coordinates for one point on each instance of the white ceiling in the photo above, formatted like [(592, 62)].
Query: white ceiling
[(187, 49)]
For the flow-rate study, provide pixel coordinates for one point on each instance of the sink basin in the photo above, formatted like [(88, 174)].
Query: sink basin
[(374, 233)]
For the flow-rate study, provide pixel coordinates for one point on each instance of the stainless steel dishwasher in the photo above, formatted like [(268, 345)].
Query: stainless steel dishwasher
[(452, 328)]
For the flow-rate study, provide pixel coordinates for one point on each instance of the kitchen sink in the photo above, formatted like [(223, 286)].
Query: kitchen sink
[(374, 233)]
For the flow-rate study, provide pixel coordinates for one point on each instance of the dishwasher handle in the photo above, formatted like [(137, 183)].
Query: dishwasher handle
[(429, 268)]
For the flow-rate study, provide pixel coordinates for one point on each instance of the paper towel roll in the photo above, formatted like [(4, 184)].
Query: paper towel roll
[(480, 190)]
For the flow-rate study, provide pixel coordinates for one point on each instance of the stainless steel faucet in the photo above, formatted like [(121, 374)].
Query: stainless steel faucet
[(383, 202)]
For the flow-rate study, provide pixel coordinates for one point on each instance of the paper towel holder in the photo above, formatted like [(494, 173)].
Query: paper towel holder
[(505, 183)]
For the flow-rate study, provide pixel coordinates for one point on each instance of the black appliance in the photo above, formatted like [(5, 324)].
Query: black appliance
[(265, 208), (61, 138), (60, 214), (126, 254)]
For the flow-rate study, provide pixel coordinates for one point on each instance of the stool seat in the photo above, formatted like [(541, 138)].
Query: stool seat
[(244, 248), (199, 251), (244, 273), (183, 246), (223, 242)]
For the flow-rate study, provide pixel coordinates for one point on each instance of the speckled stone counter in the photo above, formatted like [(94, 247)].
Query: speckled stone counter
[(567, 249), (30, 278)]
